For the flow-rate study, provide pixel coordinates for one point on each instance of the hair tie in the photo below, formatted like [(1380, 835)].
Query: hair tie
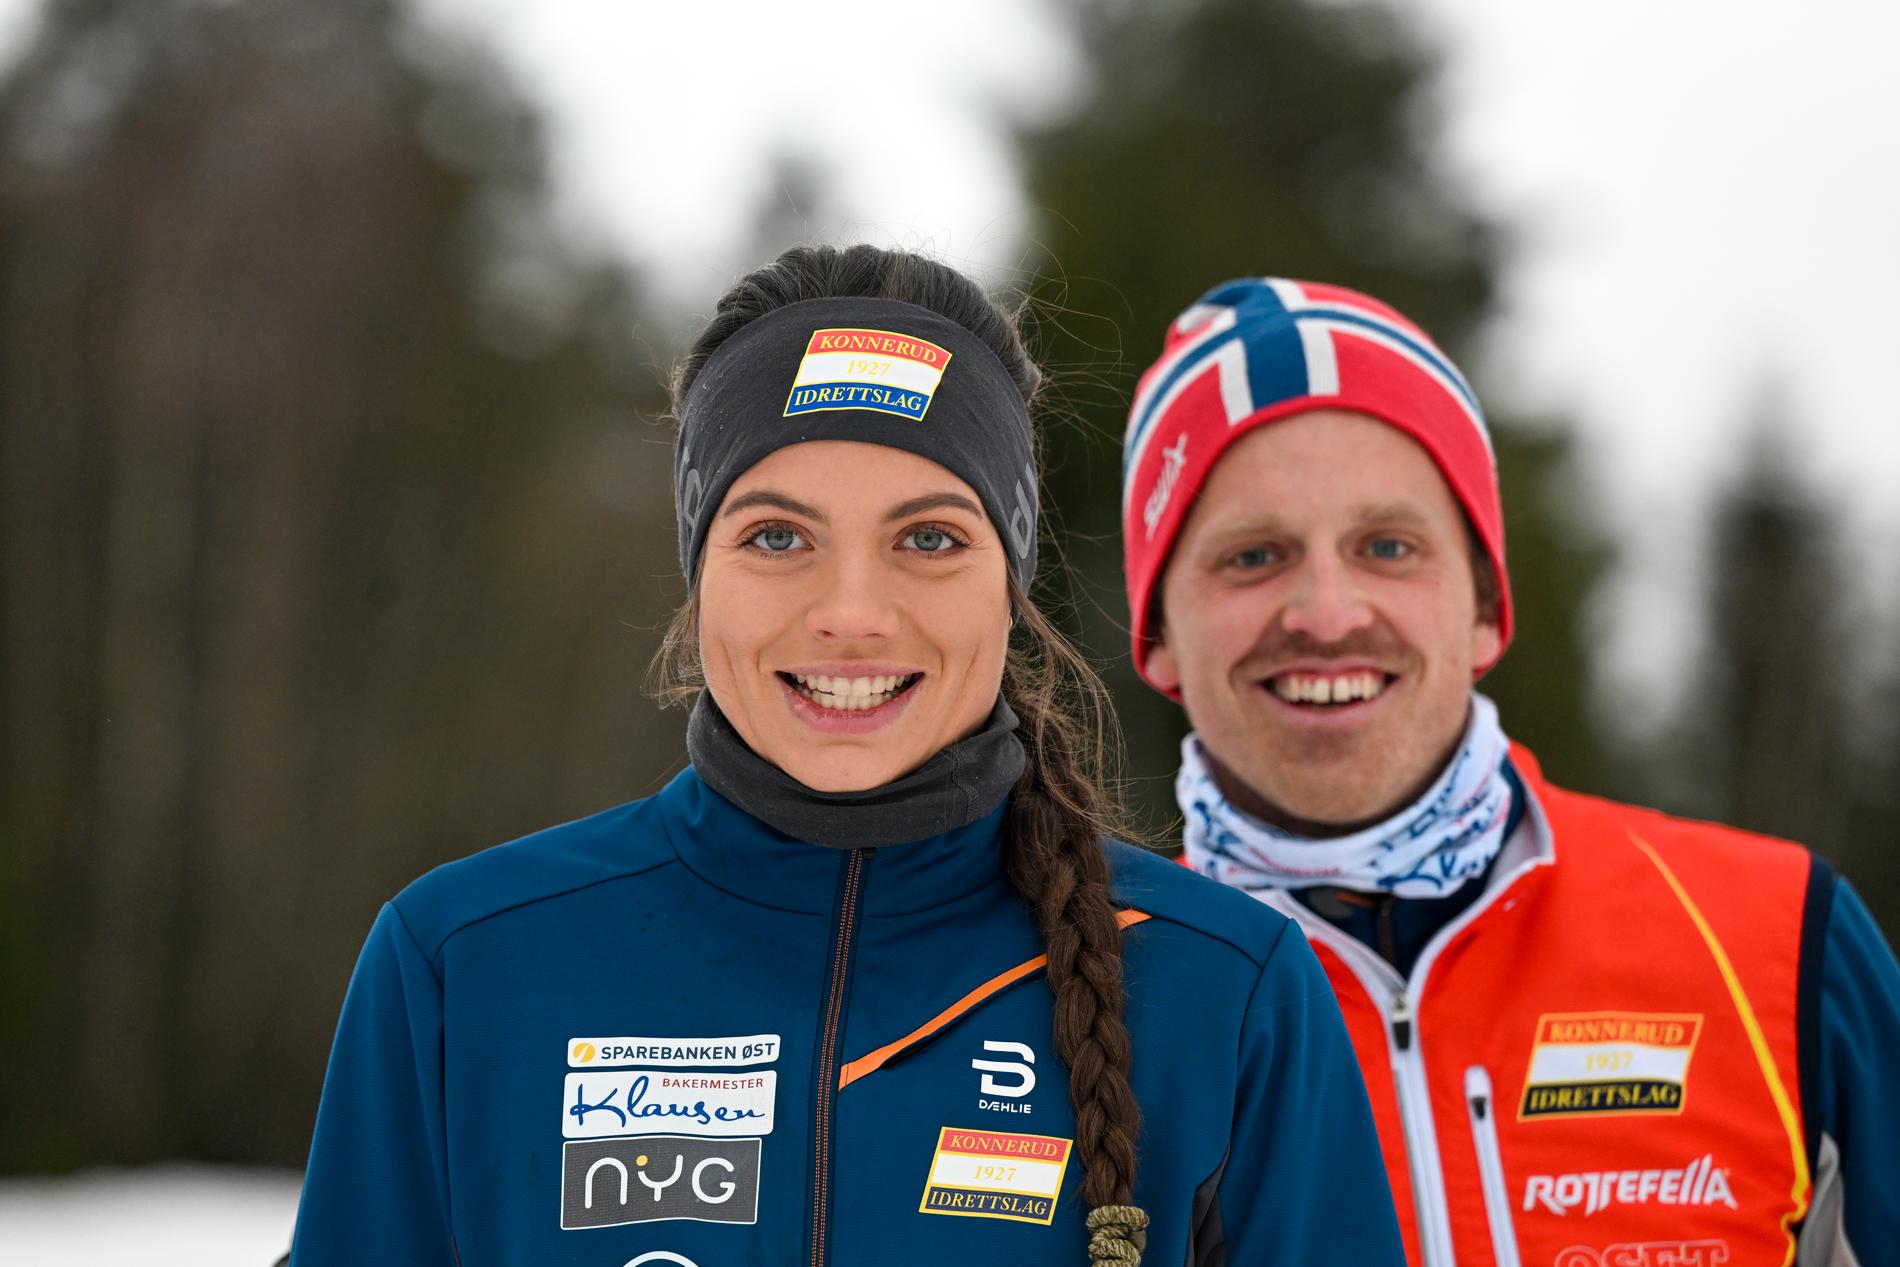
[(1117, 1234)]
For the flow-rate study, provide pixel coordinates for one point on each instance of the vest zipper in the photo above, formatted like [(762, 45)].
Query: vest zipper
[(825, 1091), (1431, 1208), (1484, 1133), (1429, 1204)]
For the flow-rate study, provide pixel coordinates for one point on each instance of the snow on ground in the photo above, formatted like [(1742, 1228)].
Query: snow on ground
[(172, 1215)]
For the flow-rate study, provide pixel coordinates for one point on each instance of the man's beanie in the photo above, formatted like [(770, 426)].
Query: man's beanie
[(1251, 352)]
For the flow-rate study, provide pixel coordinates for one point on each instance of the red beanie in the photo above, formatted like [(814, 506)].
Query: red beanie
[(1254, 351)]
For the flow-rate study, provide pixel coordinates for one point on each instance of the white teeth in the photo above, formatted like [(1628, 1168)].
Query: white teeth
[(1344, 688), (851, 695)]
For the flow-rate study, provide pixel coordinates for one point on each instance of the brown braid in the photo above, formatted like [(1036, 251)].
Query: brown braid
[(1054, 858), (1063, 805)]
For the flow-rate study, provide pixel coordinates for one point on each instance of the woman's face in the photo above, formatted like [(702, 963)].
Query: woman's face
[(853, 612)]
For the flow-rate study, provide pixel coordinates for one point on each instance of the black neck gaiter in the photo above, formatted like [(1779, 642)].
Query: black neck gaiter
[(953, 789)]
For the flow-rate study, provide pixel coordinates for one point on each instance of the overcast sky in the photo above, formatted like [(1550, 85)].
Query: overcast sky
[(1704, 192)]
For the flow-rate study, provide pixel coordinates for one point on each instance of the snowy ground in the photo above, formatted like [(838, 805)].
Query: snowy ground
[(158, 1216)]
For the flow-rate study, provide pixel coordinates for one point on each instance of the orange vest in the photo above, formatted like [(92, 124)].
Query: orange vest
[(1594, 1066)]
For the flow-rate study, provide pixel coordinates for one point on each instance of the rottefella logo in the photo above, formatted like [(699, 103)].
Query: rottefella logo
[(1701, 1182), (647, 1178)]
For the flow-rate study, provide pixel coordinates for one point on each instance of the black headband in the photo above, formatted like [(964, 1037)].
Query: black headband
[(879, 371)]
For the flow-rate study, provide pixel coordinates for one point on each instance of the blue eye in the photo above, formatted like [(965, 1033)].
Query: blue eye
[(932, 541), (776, 539), (1388, 549), (1258, 557)]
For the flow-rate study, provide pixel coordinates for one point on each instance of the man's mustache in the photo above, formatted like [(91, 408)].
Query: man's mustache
[(1377, 645)]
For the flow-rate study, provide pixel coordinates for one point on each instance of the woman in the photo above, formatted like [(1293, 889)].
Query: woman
[(864, 984)]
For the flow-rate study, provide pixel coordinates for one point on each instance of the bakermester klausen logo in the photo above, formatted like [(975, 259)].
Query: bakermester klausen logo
[(1701, 1183), (629, 1101), (665, 1141)]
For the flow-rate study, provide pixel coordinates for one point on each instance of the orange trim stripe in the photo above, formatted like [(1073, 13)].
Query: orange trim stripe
[(875, 1060)]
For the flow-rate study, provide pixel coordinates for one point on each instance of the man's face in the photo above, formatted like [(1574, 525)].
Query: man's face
[(1319, 619)]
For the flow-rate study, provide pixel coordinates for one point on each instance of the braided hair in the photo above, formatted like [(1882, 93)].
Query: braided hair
[(1059, 811)]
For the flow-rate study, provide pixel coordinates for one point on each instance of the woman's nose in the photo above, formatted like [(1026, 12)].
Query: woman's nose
[(853, 598)]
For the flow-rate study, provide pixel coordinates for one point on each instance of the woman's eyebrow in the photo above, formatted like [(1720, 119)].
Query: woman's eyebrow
[(932, 501), (777, 501)]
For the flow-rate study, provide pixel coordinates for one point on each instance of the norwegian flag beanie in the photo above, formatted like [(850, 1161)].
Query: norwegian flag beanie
[(1254, 351)]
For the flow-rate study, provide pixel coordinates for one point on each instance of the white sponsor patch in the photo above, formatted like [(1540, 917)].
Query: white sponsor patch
[(1031, 1178), (1609, 1064), (867, 369), (662, 1101), (606, 1053), (991, 1175)]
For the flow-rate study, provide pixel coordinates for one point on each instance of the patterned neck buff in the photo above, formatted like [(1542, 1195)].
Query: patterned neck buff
[(1427, 849)]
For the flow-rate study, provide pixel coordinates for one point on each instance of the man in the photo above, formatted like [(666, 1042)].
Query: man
[(1594, 1036)]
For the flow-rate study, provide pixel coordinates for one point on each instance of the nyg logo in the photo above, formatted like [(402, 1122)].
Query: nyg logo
[(609, 1182), (1018, 1080)]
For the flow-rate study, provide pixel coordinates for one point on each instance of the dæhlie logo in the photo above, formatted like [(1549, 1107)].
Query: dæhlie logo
[(1024, 1075)]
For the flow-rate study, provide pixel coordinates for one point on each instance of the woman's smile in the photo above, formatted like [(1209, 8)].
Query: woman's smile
[(849, 699)]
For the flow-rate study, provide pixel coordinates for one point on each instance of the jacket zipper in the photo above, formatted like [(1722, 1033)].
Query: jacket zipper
[(1430, 1206), (1484, 1133), (824, 1100), (1429, 1203)]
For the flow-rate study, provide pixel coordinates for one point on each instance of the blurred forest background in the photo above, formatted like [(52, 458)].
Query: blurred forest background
[(338, 527)]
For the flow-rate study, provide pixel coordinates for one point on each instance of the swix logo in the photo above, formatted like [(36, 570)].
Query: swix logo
[(1701, 1182), (1024, 1073), (1173, 459), (1647, 1254)]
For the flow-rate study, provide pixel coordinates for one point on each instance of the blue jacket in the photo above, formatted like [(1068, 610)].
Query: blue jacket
[(668, 1034)]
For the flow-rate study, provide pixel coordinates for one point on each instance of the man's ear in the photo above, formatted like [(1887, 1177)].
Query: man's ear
[(1163, 670), (1487, 644)]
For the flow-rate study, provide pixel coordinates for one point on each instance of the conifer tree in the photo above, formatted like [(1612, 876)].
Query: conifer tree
[(326, 517)]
